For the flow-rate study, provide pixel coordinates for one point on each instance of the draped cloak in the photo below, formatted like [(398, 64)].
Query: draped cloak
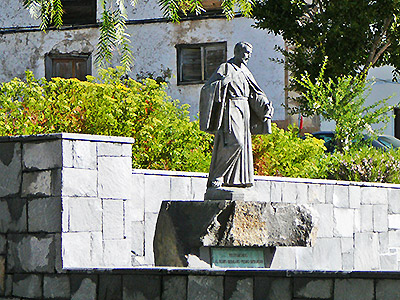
[(233, 112)]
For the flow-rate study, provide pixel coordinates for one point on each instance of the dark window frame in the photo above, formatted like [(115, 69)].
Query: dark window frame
[(397, 122), (202, 47), (50, 60)]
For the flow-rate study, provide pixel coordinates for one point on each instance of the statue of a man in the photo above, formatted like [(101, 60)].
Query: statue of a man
[(233, 106)]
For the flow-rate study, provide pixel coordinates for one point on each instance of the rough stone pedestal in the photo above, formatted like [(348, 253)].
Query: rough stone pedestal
[(187, 229)]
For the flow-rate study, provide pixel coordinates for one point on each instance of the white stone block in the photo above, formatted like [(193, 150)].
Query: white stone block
[(75, 249), (383, 242), (329, 193), (343, 222), (304, 258), (157, 189), (67, 153), (65, 214), (374, 195), (117, 253), (388, 262), (380, 217), (316, 193), (394, 221), (366, 256), (347, 244), (340, 196), (135, 205), (136, 235), (366, 215), (10, 169), (42, 156), (79, 182), (327, 248), (394, 201), (150, 229), (85, 214), (115, 174), (284, 258), (354, 196), (357, 220), (276, 191), (394, 238), (44, 214), (294, 193), (181, 188), (37, 184), (325, 222), (114, 149), (84, 155), (96, 250), (199, 187), (348, 261), (113, 219)]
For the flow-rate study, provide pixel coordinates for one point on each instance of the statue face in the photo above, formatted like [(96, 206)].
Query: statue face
[(244, 54)]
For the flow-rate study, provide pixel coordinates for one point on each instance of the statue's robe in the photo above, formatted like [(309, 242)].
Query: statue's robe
[(233, 112)]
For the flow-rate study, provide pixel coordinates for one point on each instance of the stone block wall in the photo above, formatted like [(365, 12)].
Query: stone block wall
[(358, 224), (71, 205), (62, 205), (96, 192)]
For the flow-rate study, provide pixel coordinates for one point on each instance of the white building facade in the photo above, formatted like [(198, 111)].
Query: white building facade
[(183, 53)]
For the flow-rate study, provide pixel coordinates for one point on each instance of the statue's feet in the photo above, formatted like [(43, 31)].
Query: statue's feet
[(216, 183)]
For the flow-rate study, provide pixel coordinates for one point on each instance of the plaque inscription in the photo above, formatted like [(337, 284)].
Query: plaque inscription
[(238, 257)]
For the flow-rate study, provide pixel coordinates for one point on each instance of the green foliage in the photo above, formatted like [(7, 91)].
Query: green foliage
[(342, 101), (164, 136), (50, 12), (113, 36), (283, 153), (364, 164), (354, 34)]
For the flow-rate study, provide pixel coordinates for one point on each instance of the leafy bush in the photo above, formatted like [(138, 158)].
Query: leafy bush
[(283, 153), (343, 101), (364, 164), (164, 136)]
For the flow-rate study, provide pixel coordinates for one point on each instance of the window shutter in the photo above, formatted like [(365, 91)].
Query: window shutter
[(214, 56), (191, 64)]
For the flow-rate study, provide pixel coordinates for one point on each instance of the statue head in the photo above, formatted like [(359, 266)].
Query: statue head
[(242, 51)]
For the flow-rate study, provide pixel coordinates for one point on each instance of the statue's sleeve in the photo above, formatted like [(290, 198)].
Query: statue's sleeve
[(212, 101), (261, 109)]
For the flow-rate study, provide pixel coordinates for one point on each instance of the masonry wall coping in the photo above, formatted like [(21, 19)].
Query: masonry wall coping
[(271, 178), (242, 272), (67, 136), (169, 173)]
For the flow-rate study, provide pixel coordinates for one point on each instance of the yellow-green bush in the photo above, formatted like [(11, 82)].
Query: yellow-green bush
[(164, 136), (283, 153)]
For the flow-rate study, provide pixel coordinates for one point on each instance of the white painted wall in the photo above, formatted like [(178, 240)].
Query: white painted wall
[(153, 45)]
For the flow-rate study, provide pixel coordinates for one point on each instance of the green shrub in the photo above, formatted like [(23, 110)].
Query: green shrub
[(164, 136), (365, 164), (283, 153)]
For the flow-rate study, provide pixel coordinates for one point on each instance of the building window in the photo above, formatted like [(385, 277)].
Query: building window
[(79, 12), (397, 122), (68, 66), (197, 62), (212, 5)]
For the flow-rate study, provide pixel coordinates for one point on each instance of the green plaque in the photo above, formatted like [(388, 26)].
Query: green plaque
[(238, 257)]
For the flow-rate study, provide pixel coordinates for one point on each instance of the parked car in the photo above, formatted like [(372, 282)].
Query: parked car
[(382, 142)]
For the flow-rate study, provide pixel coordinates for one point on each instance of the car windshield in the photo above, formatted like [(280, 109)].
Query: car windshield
[(389, 141)]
